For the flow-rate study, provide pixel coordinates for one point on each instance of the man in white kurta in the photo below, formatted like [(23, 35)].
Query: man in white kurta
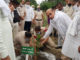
[(60, 40), (60, 21), (72, 40), (6, 41)]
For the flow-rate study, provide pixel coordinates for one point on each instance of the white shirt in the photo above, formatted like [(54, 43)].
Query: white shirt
[(29, 13), (60, 22)]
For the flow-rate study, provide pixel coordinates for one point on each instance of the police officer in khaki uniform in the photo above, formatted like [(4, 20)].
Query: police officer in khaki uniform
[(22, 13), (39, 16)]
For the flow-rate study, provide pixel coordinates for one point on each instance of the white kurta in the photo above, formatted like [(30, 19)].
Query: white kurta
[(72, 40), (6, 41), (60, 22)]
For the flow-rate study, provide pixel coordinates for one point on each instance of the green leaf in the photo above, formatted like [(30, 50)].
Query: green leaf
[(19, 1)]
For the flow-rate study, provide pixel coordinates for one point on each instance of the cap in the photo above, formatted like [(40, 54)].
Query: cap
[(38, 6)]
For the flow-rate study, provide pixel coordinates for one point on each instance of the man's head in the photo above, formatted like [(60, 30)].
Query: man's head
[(74, 2), (50, 13), (23, 2), (68, 1), (11, 7), (28, 35), (38, 7), (28, 2), (37, 29), (78, 3), (59, 6), (33, 7), (15, 3)]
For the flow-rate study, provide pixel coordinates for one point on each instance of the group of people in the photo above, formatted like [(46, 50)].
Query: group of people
[(16, 21), (66, 21), (22, 25)]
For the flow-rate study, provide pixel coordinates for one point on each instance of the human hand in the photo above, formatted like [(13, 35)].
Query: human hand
[(22, 18), (19, 24), (7, 58), (42, 39), (33, 21), (79, 49)]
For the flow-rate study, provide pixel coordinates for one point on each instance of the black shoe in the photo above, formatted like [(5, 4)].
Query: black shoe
[(58, 47)]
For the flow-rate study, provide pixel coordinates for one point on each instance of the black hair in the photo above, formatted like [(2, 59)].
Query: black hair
[(28, 34), (14, 2), (53, 7), (59, 3), (37, 28)]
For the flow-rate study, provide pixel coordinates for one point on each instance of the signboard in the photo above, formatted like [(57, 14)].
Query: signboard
[(27, 50)]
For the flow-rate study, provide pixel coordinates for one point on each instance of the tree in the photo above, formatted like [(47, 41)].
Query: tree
[(60, 1), (33, 2), (48, 4)]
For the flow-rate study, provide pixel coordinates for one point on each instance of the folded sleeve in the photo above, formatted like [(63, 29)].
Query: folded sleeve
[(50, 29)]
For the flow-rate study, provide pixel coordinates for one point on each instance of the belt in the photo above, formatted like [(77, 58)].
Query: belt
[(39, 19)]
